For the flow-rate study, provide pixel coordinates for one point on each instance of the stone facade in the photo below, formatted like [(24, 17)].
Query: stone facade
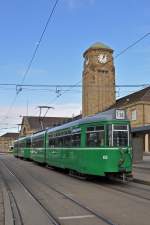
[(98, 91), (137, 106), (142, 110), (142, 113), (7, 140)]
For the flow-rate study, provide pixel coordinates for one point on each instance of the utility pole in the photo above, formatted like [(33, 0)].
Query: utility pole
[(40, 113)]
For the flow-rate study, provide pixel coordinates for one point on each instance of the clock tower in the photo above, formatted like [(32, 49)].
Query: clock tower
[(98, 92)]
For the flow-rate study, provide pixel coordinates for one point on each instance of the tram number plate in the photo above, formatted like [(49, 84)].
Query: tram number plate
[(120, 114), (105, 157)]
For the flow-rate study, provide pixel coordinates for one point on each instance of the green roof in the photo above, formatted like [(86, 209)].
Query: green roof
[(99, 45)]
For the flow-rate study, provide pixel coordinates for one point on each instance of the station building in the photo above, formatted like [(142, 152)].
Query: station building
[(32, 124), (7, 140), (137, 106)]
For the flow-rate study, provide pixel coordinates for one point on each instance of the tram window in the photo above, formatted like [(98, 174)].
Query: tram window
[(91, 139), (58, 142), (28, 143), (38, 142), (67, 141), (120, 138), (99, 127), (120, 127), (61, 141), (51, 142), (76, 139), (90, 129), (96, 138), (22, 145), (118, 135)]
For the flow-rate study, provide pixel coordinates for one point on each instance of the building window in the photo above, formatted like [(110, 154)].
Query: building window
[(133, 115)]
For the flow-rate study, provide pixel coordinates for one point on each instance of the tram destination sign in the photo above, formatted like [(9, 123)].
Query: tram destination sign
[(120, 114)]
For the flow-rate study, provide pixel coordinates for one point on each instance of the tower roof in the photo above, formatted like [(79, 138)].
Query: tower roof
[(98, 45)]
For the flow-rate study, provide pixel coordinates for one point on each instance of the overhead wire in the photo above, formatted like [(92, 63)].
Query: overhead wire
[(116, 56), (37, 47), (34, 54), (40, 40), (46, 86)]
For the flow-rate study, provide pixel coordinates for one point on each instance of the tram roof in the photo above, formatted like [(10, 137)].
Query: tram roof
[(103, 116), (22, 138)]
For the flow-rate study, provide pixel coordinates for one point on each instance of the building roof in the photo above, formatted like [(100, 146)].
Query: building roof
[(10, 135), (142, 129), (142, 95), (35, 122), (98, 45)]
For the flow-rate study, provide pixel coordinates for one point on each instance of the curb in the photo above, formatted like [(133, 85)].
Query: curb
[(146, 182), (7, 208)]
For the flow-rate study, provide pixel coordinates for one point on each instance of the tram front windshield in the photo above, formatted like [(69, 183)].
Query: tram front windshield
[(118, 135)]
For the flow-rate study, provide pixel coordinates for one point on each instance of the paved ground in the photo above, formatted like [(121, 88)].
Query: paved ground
[(143, 164), (141, 170), (1, 203), (56, 192)]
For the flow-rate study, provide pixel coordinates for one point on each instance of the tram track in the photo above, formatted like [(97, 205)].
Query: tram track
[(53, 220), (99, 216), (16, 214), (125, 191)]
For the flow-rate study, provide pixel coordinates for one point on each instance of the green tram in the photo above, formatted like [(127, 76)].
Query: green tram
[(96, 145), (22, 147)]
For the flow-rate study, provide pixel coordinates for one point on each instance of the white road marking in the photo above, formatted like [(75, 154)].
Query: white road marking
[(76, 217)]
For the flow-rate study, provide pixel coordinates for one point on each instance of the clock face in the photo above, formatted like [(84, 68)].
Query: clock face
[(102, 58)]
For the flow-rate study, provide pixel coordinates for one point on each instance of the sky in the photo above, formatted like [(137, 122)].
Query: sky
[(75, 25)]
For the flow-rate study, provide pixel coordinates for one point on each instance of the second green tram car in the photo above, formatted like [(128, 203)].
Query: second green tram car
[(96, 145)]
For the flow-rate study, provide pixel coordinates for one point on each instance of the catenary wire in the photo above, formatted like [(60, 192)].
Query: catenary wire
[(36, 49), (33, 55), (65, 85), (39, 42), (76, 84), (118, 55)]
